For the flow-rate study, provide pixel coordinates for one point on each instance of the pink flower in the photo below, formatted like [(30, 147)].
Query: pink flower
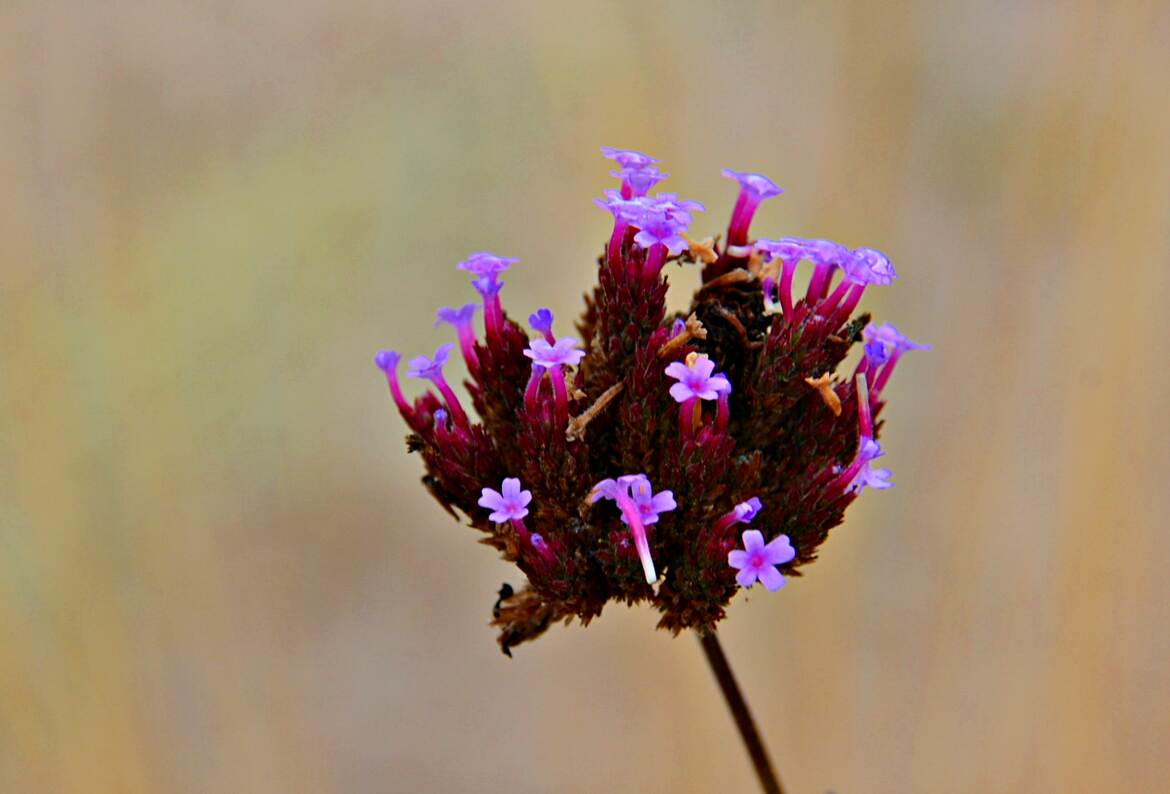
[(508, 504), (695, 380), (757, 561)]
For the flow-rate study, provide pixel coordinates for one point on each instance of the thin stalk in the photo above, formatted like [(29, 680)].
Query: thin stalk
[(769, 782)]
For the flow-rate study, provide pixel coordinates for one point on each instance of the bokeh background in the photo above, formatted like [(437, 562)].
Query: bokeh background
[(218, 572)]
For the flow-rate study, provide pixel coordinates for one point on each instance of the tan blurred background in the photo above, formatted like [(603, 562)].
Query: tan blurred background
[(217, 570)]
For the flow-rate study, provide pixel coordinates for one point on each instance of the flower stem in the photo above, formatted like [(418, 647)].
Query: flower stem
[(739, 710)]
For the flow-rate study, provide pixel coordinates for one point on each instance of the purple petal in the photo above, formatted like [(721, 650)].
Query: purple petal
[(772, 579), (491, 499), (779, 551), (753, 540), (746, 577)]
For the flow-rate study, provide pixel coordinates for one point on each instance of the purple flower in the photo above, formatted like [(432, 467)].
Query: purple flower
[(486, 265), (753, 188), (757, 185), (674, 207), (564, 351), (641, 179), (740, 514), (786, 249), (882, 341), (459, 318), (878, 479), (430, 368), (826, 255), (868, 266), (650, 504), (619, 492), (541, 321), (657, 227), (615, 204), (487, 286), (508, 504), (746, 511), (825, 252), (695, 380), (759, 561), (628, 158), (387, 360)]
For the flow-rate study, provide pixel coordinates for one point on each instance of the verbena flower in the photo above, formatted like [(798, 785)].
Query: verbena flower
[(628, 463), (758, 561)]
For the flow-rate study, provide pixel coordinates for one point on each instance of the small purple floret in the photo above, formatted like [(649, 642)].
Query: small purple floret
[(697, 380), (882, 341), (563, 352), (430, 368), (627, 158), (757, 561), (387, 360), (641, 179), (868, 266), (487, 286), (878, 479), (756, 184), (786, 249), (657, 227), (507, 504), (541, 321), (650, 504), (486, 265), (746, 511), (459, 318)]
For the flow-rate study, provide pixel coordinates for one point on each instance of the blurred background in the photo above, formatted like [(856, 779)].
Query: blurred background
[(218, 572)]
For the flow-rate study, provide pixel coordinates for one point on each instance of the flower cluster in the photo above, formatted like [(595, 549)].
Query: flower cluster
[(686, 426)]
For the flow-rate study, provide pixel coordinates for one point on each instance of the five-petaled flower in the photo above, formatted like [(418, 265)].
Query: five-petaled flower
[(564, 351), (650, 504), (758, 561), (507, 504), (695, 379)]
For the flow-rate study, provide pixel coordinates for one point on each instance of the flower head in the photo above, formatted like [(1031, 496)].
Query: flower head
[(430, 368), (695, 379), (758, 561), (570, 416), (564, 351), (507, 504)]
